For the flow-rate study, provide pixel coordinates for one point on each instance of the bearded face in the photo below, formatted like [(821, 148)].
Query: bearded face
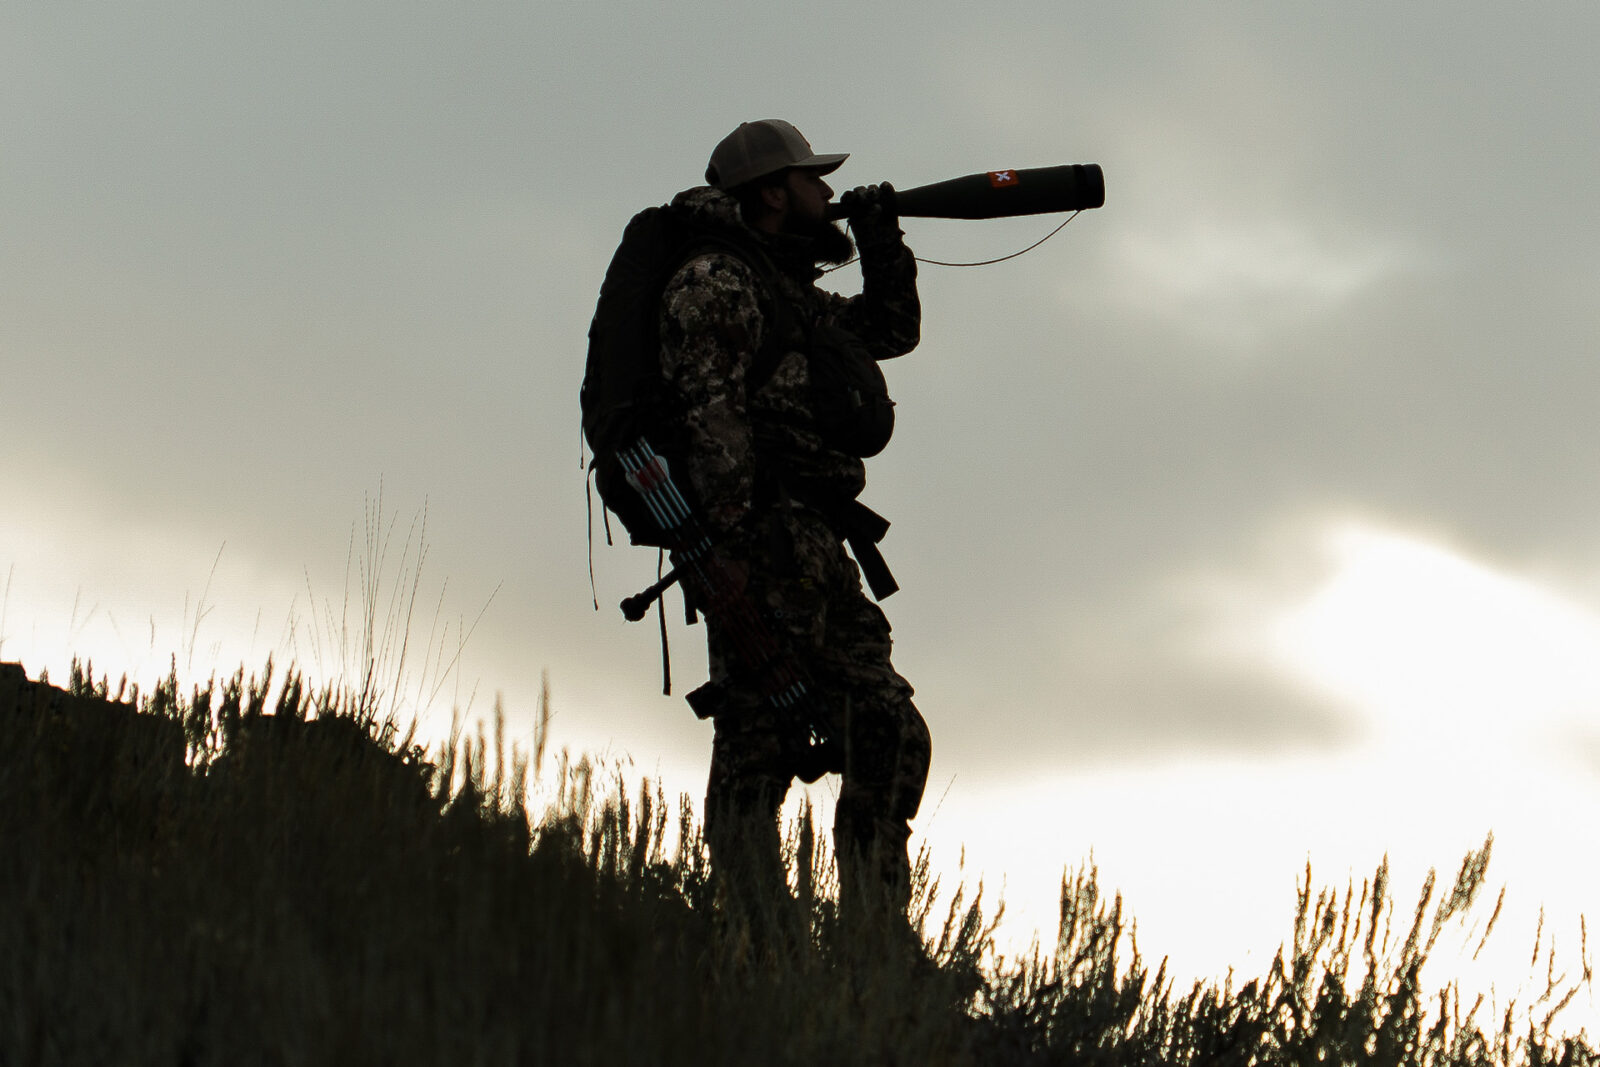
[(805, 214), (830, 244)]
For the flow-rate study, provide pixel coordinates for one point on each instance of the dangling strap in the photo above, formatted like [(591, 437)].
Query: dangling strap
[(861, 528), (661, 614), (588, 507)]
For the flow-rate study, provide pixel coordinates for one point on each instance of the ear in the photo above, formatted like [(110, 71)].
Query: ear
[(776, 197)]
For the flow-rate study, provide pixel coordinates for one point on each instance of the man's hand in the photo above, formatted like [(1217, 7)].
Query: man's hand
[(872, 211)]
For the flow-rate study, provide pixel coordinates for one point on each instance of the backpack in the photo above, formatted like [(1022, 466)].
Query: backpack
[(624, 396)]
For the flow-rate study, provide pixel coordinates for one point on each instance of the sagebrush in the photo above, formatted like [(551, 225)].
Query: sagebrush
[(250, 873)]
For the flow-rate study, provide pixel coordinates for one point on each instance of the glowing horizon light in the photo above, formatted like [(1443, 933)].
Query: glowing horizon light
[(1419, 636), (1469, 683), (112, 606), (1478, 689)]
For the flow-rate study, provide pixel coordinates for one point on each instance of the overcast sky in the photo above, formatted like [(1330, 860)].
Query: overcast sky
[(1251, 518)]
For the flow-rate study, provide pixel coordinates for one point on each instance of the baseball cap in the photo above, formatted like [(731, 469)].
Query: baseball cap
[(762, 147)]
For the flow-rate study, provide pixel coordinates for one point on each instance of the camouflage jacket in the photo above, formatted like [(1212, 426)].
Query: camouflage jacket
[(712, 325)]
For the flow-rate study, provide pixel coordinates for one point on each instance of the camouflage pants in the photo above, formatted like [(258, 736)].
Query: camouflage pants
[(809, 592)]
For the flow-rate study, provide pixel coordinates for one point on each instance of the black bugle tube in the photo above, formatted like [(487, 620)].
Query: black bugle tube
[(1000, 194)]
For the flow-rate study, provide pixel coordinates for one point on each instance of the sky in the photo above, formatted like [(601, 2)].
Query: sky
[(1245, 523)]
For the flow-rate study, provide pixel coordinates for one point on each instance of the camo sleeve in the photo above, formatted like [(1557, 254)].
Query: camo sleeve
[(711, 328), (887, 315)]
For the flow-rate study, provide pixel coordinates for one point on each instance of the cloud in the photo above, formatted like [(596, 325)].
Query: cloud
[(1333, 634), (1073, 668), (1242, 282)]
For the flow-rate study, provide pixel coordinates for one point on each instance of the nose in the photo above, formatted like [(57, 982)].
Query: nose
[(827, 190)]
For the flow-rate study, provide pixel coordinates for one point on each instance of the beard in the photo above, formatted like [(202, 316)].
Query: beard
[(830, 244)]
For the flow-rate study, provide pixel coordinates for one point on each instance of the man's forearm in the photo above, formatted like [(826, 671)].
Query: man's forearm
[(887, 316)]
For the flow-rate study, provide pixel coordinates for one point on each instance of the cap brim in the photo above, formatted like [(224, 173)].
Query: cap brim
[(823, 164)]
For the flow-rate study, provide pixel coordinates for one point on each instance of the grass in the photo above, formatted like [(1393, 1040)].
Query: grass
[(258, 873), (367, 640)]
